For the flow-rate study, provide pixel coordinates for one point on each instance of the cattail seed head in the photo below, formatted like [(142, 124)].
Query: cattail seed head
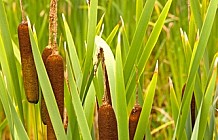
[(50, 132), (44, 112), (107, 123), (55, 69), (133, 120), (30, 78)]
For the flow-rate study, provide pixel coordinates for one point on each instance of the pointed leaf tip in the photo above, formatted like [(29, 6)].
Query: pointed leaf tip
[(170, 81), (215, 62), (156, 67)]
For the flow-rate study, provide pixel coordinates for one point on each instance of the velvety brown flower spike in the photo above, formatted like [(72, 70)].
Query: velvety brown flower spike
[(30, 78)]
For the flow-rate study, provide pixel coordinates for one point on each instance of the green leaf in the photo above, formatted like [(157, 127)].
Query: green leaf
[(138, 38), (195, 8), (73, 54), (89, 106), (197, 56), (122, 117), (77, 105), (174, 102), (112, 34), (150, 44), (10, 111), (90, 44), (206, 105)]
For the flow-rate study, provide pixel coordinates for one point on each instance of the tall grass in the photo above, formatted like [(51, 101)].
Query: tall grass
[(134, 35)]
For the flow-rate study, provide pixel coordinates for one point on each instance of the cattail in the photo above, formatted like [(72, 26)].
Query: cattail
[(192, 106), (55, 69), (133, 120), (30, 77), (107, 123), (135, 113), (44, 112)]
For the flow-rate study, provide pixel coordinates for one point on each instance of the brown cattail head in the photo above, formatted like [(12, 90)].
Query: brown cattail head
[(50, 132), (44, 112), (55, 69), (30, 77), (133, 120), (107, 123)]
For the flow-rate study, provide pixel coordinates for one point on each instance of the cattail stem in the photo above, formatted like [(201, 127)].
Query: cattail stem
[(22, 12), (107, 96), (53, 25)]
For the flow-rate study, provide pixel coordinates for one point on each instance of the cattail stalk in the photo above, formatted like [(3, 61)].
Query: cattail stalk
[(30, 78)]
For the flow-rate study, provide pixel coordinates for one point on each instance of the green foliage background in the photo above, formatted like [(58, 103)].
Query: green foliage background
[(180, 34)]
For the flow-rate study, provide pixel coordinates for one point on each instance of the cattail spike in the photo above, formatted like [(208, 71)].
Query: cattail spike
[(55, 69), (133, 120), (30, 77), (107, 123)]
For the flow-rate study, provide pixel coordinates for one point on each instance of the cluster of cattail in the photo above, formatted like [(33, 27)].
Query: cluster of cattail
[(107, 123), (192, 106), (54, 66)]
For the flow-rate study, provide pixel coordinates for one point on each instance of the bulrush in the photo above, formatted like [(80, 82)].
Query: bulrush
[(133, 120), (55, 69), (30, 78), (107, 122)]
